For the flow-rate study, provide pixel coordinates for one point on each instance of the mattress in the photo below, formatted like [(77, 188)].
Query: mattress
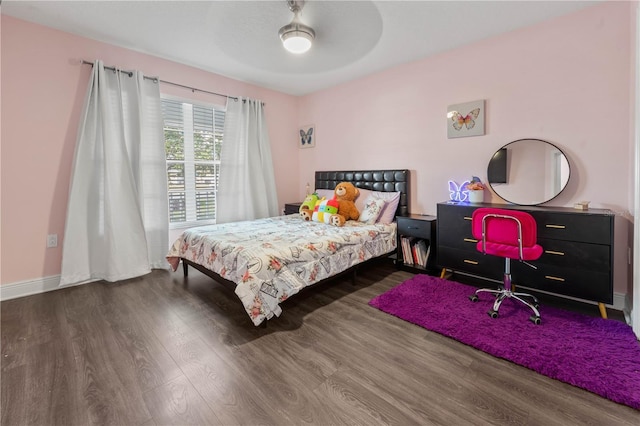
[(274, 258)]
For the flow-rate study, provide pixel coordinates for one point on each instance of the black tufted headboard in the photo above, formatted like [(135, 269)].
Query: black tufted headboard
[(374, 180)]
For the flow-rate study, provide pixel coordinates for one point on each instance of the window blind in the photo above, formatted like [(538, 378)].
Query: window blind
[(193, 142)]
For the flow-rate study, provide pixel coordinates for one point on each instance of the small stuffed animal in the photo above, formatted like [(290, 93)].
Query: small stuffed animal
[(309, 202), (325, 210), (306, 208), (306, 214), (346, 194)]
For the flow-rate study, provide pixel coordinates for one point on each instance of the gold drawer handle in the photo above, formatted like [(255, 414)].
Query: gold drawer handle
[(473, 262), (556, 226), (549, 277), (467, 218), (470, 240), (559, 253)]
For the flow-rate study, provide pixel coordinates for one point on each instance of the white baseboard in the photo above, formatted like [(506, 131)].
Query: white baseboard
[(42, 285), (619, 299), (620, 302), (27, 288)]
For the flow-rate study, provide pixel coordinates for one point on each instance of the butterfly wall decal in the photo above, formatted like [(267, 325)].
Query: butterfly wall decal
[(306, 138), (458, 193), (468, 120)]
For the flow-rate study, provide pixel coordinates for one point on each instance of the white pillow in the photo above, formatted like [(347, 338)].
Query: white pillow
[(373, 206), (391, 198), (326, 193)]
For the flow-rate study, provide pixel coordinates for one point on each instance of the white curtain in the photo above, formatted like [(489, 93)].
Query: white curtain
[(117, 215), (247, 188)]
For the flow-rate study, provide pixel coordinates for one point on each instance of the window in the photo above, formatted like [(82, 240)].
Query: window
[(193, 139)]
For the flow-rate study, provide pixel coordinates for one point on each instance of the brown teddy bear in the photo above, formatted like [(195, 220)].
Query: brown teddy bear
[(346, 194)]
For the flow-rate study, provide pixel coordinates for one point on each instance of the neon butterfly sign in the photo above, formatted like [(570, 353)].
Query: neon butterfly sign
[(458, 193)]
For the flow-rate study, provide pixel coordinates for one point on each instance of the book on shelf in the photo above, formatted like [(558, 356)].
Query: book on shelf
[(415, 251), (426, 257), (407, 255), (421, 250)]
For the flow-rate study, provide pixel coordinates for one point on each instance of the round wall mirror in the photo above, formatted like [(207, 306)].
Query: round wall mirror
[(528, 172)]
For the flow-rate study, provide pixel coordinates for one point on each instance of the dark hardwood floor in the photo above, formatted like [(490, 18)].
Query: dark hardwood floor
[(163, 349)]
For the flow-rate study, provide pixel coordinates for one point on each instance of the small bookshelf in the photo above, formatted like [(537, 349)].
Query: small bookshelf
[(416, 243)]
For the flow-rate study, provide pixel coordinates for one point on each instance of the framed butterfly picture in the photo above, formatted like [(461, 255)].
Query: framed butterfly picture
[(307, 136), (466, 119)]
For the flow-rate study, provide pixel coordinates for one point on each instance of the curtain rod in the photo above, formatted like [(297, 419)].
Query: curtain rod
[(193, 89)]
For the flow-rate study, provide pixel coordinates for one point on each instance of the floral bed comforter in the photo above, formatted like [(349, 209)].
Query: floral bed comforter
[(274, 258)]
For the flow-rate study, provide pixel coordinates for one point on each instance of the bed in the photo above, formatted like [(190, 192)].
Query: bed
[(267, 261)]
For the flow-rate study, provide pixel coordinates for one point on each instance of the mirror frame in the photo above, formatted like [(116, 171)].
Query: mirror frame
[(533, 203)]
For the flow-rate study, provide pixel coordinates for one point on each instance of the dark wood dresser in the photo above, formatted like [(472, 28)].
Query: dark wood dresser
[(578, 250)]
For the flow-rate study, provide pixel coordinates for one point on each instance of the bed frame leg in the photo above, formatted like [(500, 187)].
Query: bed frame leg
[(185, 268)]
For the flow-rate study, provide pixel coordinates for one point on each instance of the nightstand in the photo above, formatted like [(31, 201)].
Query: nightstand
[(416, 250), (291, 208)]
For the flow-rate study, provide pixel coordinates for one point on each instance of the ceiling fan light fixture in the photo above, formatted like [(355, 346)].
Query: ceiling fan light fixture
[(296, 37), (297, 40)]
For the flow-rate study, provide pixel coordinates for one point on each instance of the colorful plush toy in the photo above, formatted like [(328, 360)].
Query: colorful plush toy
[(346, 194), (324, 210), (307, 206)]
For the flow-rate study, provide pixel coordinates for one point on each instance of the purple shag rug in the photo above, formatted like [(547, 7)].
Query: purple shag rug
[(601, 356)]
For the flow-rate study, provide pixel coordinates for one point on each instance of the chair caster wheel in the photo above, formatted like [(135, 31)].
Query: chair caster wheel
[(535, 320), (493, 314), (473, 298)]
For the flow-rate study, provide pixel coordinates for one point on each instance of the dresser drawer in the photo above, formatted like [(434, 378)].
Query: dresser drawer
[(454, 227), (414, 228), (460, 240), (594, 257), (472, 262), (575, 282), (575, 227), (454, 216)]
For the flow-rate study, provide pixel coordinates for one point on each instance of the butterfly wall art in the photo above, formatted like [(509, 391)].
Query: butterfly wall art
[(307, 137), (466, 119)]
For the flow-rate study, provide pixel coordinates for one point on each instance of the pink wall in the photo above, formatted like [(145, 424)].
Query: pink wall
[(565, 81), (43, 93)]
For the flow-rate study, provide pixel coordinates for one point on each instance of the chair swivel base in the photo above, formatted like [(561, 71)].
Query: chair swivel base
[(503, 294)]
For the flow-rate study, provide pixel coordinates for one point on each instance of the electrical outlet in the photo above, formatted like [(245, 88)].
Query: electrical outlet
[(52, 240)]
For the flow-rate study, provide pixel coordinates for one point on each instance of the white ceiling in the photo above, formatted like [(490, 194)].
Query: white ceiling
[(239, 39)]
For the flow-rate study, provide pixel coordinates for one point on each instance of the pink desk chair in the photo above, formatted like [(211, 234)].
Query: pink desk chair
[(510, 234)]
